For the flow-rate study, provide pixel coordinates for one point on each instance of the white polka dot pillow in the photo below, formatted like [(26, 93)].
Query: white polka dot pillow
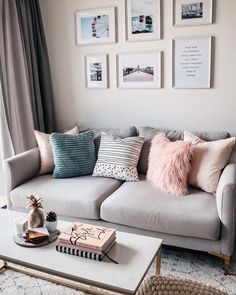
[(118, 158)]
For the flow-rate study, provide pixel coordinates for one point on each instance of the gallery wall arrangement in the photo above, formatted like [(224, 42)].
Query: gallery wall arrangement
[(191, 56)]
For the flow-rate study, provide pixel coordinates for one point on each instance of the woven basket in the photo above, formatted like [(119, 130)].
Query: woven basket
[(158, 285)]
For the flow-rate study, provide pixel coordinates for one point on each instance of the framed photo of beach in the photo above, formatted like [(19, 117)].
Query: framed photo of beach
[(143, 20), (192, 12), (95, 26), (139, 70), (96, 71)]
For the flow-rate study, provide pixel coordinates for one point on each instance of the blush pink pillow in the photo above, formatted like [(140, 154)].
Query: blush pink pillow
[(45, 150), (169, 165), (208, 160)]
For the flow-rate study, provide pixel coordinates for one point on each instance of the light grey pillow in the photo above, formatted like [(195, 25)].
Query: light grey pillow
[(118, 158)]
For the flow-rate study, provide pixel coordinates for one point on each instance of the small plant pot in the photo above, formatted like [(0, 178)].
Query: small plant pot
[(51, 225)]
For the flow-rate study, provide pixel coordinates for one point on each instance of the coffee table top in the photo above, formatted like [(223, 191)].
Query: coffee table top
[(135, 253)]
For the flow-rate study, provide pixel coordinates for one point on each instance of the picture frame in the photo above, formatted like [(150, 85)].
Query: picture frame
[(96, 71), (95, 26), (139, 70), (192, 12), (143, 20), (191, 62)]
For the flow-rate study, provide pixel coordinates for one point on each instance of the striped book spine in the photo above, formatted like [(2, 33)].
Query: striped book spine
[(80, 253)]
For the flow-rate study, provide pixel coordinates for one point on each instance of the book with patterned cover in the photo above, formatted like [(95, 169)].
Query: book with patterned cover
[(86, 253), (86, 249), (88, 235)]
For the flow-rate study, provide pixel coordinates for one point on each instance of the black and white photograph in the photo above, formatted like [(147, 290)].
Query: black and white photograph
[(141, 70), (192, 12), (138, 73), (96, 71), (143, 20)]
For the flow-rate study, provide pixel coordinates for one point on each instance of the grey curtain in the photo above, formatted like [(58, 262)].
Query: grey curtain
[(6, 146), (37, 62), (27, 99), (17, 101)]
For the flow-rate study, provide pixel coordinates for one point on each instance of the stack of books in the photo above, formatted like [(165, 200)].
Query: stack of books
[(86, 240)]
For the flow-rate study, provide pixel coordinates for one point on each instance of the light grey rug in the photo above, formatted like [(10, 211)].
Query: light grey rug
[(185, 264)]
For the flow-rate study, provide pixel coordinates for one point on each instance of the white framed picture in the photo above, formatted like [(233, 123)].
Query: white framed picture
[(192, 62), (192, 12), (139, 70), (95, 26), (143, 20), (96, 71)]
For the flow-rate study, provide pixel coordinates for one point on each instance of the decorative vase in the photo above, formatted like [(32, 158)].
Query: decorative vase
[(51, 225), (36, 216)]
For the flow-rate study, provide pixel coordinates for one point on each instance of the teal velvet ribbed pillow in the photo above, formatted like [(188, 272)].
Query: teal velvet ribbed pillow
[(74, 155)]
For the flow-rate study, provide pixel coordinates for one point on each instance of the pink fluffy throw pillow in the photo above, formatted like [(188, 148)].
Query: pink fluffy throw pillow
[(169, 165)]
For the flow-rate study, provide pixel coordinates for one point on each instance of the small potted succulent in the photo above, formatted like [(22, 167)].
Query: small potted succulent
[(51, 221)]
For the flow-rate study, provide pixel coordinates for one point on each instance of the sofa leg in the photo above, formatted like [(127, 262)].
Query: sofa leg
[(226, 264), (226, 261)]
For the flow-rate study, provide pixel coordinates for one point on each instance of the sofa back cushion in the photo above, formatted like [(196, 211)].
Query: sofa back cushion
[(149, 132), (120, 132), (232, 158)]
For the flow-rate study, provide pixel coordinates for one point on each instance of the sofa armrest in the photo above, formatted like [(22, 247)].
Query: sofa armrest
[(226, 204), (20, 168)]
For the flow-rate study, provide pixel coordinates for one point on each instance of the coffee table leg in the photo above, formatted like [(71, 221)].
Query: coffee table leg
[(158, 265), (58, 280), (2, 264)]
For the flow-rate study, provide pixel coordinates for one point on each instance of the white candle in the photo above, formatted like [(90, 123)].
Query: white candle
[(19, 226)]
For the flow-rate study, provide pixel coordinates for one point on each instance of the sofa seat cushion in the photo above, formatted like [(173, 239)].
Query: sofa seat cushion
[(75, 197), (142, 206)]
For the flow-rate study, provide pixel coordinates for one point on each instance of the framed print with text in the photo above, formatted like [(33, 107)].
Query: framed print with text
[(143, 20), (192, 62), (192, 12), (95, 26), (96, 71), (139, 70)]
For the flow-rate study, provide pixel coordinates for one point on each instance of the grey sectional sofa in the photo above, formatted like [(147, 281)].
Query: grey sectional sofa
[(198, 221)]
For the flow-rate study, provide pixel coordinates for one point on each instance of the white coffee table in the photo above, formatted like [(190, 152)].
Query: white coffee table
[(135, 254)]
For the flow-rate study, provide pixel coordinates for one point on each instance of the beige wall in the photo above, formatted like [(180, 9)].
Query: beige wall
[(212, 109)]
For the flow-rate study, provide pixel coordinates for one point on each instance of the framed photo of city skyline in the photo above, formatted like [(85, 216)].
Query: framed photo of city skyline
[(143, 20), (139, 70), (96, 71), (95, 26), (192, 12)]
